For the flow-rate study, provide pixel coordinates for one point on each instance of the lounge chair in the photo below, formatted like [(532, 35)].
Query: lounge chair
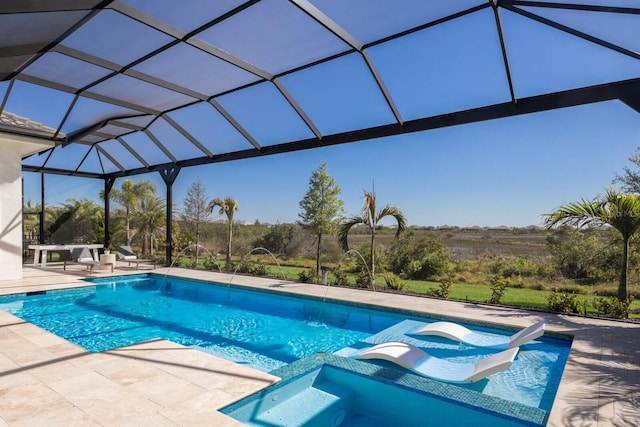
[(125, 253), (456, 332), (416, 360), (83, 256)]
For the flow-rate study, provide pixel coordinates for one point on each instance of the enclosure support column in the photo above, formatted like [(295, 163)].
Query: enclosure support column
[(169, 176), (41, 213), (108, 185)]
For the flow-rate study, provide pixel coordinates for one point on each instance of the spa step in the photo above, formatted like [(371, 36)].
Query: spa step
[(328, 405)]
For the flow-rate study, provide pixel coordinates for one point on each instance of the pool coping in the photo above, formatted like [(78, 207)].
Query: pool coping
[(598, 386)]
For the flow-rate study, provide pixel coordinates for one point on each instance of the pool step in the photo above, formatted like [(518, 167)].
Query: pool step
[(324, 404)]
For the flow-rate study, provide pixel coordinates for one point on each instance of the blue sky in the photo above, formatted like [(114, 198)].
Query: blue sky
[(500, 172)]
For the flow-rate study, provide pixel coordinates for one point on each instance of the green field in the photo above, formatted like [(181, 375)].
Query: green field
[(477, 253), (476, 292)]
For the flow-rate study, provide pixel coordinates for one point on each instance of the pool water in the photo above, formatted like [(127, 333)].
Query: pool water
[(347, 393), (261, 329)]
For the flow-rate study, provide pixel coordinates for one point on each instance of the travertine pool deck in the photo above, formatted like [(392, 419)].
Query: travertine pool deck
[(45, 380)]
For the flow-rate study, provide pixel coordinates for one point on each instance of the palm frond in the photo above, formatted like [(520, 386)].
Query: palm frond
[(369, 209), (578, 214), (227, 206), (624, 212), (219, 203), (345, 227), (397, 214), (621, 211)]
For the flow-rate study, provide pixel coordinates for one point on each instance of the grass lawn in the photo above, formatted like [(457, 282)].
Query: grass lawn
[(517, 297), (480, 293)]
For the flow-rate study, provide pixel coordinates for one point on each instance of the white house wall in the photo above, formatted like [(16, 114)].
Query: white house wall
[(10, 210)]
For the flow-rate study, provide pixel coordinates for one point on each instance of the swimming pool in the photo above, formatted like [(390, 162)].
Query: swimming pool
[(259, 329), (265, 330)]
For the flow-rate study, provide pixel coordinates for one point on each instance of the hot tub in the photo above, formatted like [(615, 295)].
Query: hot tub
[(345, 392)]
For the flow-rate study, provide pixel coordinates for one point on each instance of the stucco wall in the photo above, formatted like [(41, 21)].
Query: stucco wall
[(10, 211)]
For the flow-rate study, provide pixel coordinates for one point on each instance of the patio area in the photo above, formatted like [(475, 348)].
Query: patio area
[(47, 380)]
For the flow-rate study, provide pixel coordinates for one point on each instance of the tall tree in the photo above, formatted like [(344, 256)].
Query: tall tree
[(196, 210), (227, 206), (322, 209), (371, 217), (630, 179), (620, 211), (128, 196)]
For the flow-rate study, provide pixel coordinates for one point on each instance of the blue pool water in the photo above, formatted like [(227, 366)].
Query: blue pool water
[(265, 330), (260, 329), (334, 391)]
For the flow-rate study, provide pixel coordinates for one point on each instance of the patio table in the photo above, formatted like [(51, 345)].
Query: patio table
[(40, 251)]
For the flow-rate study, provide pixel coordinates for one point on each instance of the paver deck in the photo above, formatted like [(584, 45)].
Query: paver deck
[(45, 380)]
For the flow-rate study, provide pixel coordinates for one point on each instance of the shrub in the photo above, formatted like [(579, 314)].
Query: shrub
[(581, 255), (363, 279), (432, 265), (418, 258), (613, 307), (244, 266), (515, 268), (442, 291), (248, 267), (394, 282), (498, 288), (260, 270), (339, 278), (307, 275), (182, 261), (231, 267), (284, 239), (357, 261), (212, 264), (564, 302)]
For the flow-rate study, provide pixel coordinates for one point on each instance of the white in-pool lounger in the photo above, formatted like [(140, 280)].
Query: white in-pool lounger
[(456, 332), (416, 360)]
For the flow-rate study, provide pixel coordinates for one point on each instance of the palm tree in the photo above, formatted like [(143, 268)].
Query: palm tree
[(227, 206), (129, 195), (79, 220), (370, 217), (152, 222), (620, 211)]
